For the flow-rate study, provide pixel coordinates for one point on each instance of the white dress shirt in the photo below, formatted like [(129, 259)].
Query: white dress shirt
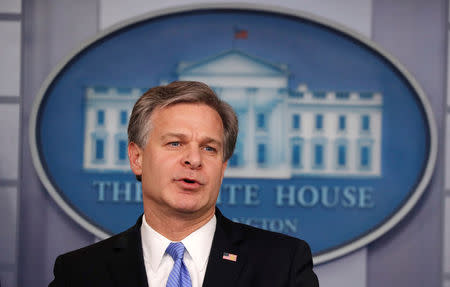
[(158, 264)]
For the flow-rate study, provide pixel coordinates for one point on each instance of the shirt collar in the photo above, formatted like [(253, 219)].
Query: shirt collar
[(198, 244)]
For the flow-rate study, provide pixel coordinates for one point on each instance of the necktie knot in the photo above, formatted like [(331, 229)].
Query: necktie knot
[(176, 250)]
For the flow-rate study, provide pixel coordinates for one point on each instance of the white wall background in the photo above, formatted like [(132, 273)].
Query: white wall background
[(10, 98), (446, 193), (355, 14)]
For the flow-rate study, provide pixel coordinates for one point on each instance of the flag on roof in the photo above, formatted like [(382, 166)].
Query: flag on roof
[(240, 34)]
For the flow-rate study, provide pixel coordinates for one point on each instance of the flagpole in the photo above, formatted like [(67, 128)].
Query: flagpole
[(233, 41)]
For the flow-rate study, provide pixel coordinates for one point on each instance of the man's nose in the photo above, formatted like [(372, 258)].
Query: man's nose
[(192, 158)]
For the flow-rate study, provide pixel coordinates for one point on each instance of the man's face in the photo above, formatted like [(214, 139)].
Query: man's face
[(182, 164)]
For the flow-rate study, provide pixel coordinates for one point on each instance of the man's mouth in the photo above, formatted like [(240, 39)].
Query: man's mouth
[(189, 181)]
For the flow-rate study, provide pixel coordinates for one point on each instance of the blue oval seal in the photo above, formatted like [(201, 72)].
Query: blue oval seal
[(337, 140)]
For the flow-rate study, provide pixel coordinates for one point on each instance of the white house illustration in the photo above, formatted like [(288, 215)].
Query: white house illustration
[(107, 113), (282, 133)]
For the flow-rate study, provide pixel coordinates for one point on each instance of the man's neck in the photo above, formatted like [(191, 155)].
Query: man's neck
[(175, 227)]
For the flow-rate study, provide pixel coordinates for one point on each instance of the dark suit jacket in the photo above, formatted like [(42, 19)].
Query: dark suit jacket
[(263, 259)]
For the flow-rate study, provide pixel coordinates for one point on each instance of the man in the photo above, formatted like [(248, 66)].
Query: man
[(180, 139)]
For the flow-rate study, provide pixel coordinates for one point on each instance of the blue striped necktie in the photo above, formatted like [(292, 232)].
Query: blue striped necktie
[(179, 276)]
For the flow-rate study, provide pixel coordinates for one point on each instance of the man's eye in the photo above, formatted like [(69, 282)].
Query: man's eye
[(174, 144), (209, 148)]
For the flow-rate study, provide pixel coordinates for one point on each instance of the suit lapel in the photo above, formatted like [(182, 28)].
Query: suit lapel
[(127, 262), (220, 271)]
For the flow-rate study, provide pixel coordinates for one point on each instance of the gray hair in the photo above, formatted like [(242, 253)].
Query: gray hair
[(175, 93)]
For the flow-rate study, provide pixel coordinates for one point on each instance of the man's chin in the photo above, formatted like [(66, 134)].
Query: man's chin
[(191, 210)]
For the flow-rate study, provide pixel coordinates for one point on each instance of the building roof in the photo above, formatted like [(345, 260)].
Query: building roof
[(232, 62)]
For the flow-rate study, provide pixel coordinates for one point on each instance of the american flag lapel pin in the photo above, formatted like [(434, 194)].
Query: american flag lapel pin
[(229, 256)]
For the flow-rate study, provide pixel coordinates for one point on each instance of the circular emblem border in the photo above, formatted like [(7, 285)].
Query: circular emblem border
[(339, 251)]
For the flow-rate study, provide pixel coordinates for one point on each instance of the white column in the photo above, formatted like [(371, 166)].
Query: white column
[(10, 53)]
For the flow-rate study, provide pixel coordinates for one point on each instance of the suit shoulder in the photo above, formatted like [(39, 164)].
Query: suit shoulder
[(264, 236), (101, 248)]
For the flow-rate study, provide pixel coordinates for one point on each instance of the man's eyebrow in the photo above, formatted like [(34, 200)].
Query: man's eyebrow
[(206, 140), (209, 140), (173, 135)]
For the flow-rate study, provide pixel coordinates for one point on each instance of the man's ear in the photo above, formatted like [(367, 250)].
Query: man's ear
[(224, 167), (135, 154)]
